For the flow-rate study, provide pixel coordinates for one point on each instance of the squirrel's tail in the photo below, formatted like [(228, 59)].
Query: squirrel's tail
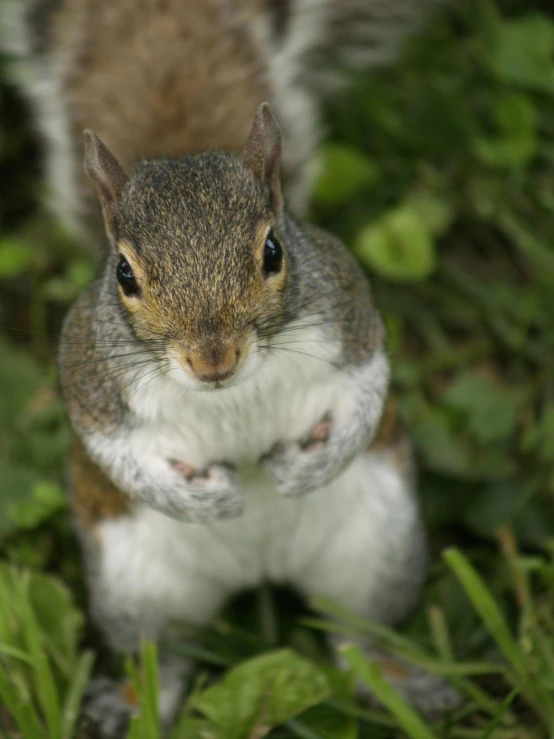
[(169, 78), (319, 40)]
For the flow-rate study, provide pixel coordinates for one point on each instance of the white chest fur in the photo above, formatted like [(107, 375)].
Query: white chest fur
[(344, 541), (286, 395)]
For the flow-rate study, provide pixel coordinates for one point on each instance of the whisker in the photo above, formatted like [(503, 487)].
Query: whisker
[(87, 362), (311, 356), (164, 372)]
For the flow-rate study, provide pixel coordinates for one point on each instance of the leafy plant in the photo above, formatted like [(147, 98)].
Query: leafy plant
[(42, 673)]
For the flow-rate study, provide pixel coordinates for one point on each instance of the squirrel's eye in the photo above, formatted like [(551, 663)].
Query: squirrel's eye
[(126, 278), (273, 255)]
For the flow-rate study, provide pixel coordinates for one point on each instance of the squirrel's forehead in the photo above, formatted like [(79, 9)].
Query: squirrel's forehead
[(193, 209), (214, 183), (223, 229)]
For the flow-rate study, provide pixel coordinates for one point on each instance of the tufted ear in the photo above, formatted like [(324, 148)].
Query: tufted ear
[(262, 153), (108, 178)]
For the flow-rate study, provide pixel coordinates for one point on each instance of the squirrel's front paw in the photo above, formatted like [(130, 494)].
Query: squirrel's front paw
[(212, 493), (300, 467)]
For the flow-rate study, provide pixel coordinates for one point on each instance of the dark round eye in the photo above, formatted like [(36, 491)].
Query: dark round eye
[(126, 278), (273, 255)]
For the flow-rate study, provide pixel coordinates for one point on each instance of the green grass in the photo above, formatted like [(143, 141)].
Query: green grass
[(439, 174)]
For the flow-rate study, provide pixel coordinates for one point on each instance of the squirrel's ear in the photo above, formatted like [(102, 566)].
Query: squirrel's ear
[(107, 175), (262, 153)]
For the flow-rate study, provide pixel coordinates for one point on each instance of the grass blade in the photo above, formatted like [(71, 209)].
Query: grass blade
[(370, 674), (484, 603), (74, 696), (22, 711), (145, 680), (486, 607), (349, 622), (45, 686), (506, 703), (151, 682), (15, 653)]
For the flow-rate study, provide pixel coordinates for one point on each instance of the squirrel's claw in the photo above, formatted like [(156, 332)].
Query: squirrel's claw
[(320, 433), (187, 469)]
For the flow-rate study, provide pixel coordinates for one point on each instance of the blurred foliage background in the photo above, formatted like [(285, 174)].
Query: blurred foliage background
[(439, 174)]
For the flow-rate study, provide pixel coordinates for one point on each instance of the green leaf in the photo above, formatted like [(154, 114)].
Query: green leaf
[(523, 52), (503, 502), (443, 451), (15, 258), (516, 143), (44, 500), (399, 245), (68, 287), (17, 487), (261, 693), (324, 722), (491, 409), (344, 172), (437, 212)]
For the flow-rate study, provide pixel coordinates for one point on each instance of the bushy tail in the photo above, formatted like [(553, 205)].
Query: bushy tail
[(320, 39)]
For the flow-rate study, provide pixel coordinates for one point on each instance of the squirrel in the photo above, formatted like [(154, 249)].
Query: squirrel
[(225, 378)]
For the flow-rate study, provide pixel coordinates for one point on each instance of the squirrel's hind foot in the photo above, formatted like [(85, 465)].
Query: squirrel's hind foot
[(107, 709), (429, 694)]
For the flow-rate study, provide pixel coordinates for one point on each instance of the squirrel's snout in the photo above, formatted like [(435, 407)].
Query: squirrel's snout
[(215, 366)]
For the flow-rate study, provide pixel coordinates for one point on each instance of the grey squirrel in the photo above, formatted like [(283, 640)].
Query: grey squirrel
[(225, 378)]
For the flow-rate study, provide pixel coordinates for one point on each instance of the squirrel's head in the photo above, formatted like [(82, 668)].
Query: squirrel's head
[(199, 255)]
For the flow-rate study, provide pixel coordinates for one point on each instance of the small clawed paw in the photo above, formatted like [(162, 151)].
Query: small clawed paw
[(296, 465), (290, 466), (213, 491)]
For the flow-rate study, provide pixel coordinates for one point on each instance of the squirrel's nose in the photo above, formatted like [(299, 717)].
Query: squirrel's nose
[(214, 366)]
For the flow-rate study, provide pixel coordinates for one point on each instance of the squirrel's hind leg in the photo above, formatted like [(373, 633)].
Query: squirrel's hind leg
[(143, 574), (371, 556), (135, 594), (109, 704)]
